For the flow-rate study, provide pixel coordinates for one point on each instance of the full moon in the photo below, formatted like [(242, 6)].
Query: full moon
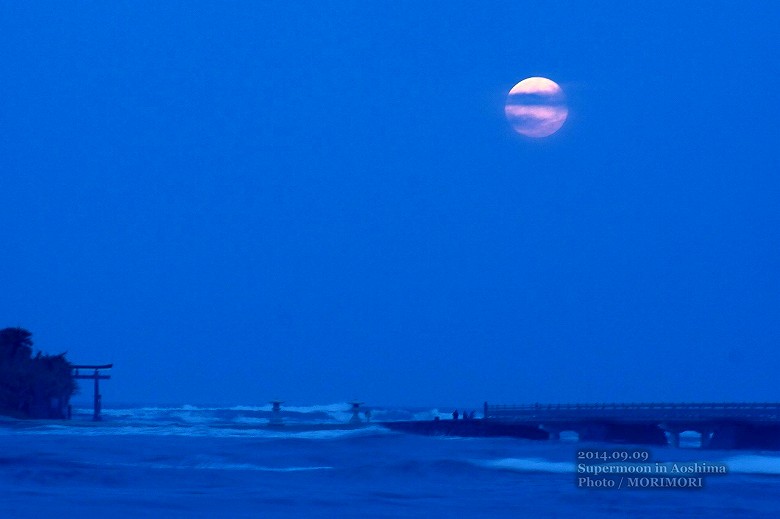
[(536, 107)]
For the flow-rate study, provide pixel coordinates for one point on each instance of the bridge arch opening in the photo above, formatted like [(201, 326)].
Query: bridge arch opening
[(570, 436), (688, 439)]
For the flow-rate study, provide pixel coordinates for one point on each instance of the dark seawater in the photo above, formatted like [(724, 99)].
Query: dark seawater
[(222, 462)]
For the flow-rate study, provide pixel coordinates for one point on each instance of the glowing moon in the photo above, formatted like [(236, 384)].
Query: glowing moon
[(536, 107)]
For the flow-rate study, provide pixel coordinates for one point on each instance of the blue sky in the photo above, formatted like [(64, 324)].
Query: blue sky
[(317, 201)]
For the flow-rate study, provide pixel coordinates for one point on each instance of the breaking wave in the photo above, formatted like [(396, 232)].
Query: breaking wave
[(251, 415), (259, 432)]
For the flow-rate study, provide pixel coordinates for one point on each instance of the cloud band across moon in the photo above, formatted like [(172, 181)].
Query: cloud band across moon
[(536, 107)]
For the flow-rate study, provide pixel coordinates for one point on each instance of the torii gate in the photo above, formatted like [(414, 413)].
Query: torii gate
[(96, 376)]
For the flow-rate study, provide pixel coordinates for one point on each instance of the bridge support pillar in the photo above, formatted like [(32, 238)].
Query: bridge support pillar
[(594, 432), (672, 433), (554, 433), (722, 436), (707, 435)]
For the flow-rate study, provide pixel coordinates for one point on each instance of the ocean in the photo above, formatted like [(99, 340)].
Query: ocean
[(222, 461)]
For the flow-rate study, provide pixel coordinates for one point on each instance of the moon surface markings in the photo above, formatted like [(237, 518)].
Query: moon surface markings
[(536, 107)]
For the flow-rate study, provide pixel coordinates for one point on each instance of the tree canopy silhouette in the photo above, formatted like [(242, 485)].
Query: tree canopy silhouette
[(15, 343), (35, 387)]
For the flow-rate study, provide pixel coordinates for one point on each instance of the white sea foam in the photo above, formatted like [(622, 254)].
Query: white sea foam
[(249, 420), (135, 430), (325, 408), (339, 412), (527, 465), (238, 466), (218, 465), (742, 464), (138, 413), (247, 466), (191, 417), (250, 408), (140, 429), (338, 433), (753, 464), (428, 415), (156, 410)]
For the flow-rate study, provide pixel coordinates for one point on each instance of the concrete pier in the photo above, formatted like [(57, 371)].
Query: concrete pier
[(720, 426)]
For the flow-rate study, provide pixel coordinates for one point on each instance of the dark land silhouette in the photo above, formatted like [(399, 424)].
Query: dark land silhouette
[(37, 386)]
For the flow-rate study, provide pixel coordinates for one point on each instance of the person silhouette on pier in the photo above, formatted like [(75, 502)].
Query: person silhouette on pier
[(455, 414)]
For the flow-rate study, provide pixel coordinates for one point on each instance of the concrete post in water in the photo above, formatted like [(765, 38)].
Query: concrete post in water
[(355, 412), (276, 412)]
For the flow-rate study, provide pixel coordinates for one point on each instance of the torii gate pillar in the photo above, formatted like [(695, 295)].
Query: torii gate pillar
[(96, 376)]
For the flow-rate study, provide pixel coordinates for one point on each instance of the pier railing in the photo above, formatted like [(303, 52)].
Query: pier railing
[(635, 412)]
